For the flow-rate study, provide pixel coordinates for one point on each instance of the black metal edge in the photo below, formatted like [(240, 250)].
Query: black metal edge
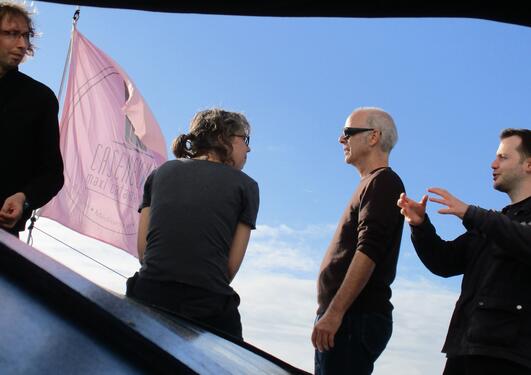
[(509, 11), (271, 358)]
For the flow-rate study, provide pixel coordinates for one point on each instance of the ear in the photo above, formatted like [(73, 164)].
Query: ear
[(527, 165), (374, 137)]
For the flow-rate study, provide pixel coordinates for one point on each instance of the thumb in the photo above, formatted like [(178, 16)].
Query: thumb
[(424, 200)]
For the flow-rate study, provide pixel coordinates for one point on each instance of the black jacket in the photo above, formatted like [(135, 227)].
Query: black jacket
[(493, 314), (30, 159)]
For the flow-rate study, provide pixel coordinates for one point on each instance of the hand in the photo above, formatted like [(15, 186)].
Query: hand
[(414, 212), (11, 211), (455, 206), (325, 329)]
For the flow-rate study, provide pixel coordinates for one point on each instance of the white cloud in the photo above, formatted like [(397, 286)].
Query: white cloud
[(81, 254), (422, 313), (278, 313), (285, 249), (278, 307)]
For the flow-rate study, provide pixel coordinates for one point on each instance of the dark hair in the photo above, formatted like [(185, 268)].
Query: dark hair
[(525, 135), (13, 9), (211, 131)]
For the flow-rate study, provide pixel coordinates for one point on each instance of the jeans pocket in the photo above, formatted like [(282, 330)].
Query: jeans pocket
[(495, 322), (376, 330)]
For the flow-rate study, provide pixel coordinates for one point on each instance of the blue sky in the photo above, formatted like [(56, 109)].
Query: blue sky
[(450, 84)]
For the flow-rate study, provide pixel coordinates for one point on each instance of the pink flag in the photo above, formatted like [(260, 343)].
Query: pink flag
[(110, 142)]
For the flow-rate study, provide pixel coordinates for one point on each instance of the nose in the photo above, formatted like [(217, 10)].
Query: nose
[(342, 139), (495, 164), (22, 42)]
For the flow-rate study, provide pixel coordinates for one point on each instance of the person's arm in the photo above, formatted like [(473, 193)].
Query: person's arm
[(143, 226), (47, 176), (357, 276), (511, 235), (145, 215), (238, 248), (443, 258)]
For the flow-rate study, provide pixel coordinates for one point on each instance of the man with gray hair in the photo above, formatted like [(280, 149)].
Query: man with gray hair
[(354, 320)]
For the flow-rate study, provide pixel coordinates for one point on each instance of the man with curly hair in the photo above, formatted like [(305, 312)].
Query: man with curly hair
[(31, 167)]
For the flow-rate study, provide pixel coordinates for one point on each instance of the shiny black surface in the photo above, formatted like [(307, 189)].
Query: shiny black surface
[(54, 321)]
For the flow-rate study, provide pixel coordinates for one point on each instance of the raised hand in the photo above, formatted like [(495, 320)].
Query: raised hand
[(414, 212), (454, 205)]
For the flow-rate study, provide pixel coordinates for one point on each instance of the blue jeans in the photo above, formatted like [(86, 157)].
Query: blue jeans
[(360, 340)]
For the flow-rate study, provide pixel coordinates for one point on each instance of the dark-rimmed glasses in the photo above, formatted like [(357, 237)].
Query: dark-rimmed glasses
[(246, 138), (15, 34), (349, 132)]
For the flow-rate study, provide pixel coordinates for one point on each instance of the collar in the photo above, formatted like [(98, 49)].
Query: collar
[(518, 208)]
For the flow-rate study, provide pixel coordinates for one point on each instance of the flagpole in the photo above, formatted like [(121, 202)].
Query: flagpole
[(36, 213), (75, 18)]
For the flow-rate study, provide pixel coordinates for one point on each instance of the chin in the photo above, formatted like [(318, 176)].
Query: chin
[(500, 187)]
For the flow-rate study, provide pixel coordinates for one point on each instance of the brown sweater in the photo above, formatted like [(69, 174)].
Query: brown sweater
[(372, 224)]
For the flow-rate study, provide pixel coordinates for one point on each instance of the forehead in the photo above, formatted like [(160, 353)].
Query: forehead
[(14, 22), (356, 119), (509, 144)]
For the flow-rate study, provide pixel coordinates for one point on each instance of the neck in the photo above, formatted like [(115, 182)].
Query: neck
[(4, 71), (210, 156), (520, 193), (372, 162)]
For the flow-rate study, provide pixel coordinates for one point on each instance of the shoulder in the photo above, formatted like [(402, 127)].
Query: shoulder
[(385, 176), (246, 178), (382, 183), (32, 87)]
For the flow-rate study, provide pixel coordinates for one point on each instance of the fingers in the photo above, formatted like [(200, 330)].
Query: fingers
[(6, 221), (439, 191), (438, 200), (424, 200), (322, 340), (402, 201)]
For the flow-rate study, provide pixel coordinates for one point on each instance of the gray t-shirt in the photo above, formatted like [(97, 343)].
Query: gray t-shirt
[(195, 208)]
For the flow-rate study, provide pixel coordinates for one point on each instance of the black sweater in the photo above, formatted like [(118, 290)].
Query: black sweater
[(30, 159)]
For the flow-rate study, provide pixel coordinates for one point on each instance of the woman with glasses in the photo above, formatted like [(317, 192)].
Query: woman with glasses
[(195, 221)]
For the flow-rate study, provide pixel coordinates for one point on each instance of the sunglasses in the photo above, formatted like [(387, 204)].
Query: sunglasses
[(349, 132), (246, 138)]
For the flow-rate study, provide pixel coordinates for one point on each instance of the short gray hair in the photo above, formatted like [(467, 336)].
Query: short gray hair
[(377, 118)]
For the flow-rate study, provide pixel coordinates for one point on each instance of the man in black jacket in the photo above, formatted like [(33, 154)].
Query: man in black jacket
[(31, 168), (490, 330)]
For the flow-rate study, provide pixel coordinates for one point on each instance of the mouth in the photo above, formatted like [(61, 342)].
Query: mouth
[(17, 56)]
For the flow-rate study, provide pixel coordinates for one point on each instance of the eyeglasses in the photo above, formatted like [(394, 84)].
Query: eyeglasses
[(246, 138), (349, 132), (15, 34)]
